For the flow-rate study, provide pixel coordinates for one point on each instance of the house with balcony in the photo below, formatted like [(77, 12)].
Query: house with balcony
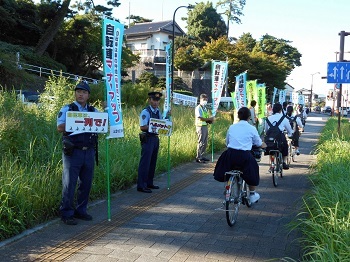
[(149, 41)]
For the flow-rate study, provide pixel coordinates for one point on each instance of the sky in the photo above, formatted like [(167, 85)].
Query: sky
[(312, 27)]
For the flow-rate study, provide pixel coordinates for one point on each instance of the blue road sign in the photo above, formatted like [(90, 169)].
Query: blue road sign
[(338, 72)]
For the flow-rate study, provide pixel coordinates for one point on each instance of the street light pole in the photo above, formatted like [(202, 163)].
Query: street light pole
[(312, 84), (173, 45)]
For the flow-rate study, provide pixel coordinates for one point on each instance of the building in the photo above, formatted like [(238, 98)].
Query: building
[(149, 41)]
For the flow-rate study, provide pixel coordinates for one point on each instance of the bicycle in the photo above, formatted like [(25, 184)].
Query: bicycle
[(237, 191), (276, 165), (291, 151)]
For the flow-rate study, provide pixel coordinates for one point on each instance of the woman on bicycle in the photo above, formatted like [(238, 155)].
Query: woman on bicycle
[(240, 139), (296, 124)]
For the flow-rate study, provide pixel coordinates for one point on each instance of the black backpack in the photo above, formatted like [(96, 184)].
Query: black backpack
[(274, 136)]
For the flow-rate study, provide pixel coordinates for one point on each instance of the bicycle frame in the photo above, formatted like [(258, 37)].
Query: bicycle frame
[(276, 165)]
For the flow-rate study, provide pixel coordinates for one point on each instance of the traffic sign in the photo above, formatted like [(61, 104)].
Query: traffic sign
[(338, 72)]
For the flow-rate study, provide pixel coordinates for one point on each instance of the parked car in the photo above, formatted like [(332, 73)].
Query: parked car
[(317, 109), (327, 109), (28, 96)]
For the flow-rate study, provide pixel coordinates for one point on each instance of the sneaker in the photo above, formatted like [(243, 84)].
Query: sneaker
[(85, 216), (69, 221), (297, 152), (254, 197), (285, 166)]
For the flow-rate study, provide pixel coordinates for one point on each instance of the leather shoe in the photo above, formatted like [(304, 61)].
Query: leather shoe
[(144, 190), (200, 160), (153, 187), (205, 159), (69, 221), (85, 216), (285, 166)]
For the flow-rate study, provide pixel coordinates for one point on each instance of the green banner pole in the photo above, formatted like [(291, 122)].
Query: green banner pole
[(168, 162), (108, 182), (212, 142)]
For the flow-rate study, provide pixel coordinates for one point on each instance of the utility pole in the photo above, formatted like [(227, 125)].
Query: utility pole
[(341, 59)]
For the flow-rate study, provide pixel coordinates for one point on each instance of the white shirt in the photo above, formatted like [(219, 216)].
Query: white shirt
[(285, 125), (242, 136)]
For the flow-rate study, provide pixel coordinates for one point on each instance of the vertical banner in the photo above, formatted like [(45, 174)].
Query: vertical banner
[(167, 95), (282, 96), (240, 90), (295, 98), (112, 41), (301, 99), (261, 90), (274, 95), (251, 91), (219, 75)]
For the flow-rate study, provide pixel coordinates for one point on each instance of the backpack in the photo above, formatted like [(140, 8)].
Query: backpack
[(274, 136)]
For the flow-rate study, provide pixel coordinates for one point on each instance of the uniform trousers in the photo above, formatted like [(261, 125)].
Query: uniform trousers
[(202, 133), (77, 168), (148, 161)]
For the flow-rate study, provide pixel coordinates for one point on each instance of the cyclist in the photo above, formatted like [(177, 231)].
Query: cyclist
[(285, 125), (296, 125), (302, 114), (240, 139)]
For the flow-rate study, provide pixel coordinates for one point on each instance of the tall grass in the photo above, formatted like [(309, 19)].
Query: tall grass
[(325, 221), (31, 165)]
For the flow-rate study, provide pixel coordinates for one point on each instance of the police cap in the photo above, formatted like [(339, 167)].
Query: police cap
[(83, 86), (155, 95)]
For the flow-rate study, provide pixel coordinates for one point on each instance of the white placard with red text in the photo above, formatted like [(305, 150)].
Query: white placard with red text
[(160, 126), (86, 122)]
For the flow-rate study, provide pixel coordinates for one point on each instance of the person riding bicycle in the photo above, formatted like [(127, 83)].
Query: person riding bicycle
[(240, 139), (296, 125), (303, 115), (284, 125)]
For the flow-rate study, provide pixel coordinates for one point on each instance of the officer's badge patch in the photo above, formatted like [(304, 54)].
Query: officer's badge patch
[(143, 117), (59, 114)]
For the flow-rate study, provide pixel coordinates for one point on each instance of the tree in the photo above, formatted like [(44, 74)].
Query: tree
[(62, 11), (138, 19), (233, 11), (205, 23), (248, 41), (281, 48)]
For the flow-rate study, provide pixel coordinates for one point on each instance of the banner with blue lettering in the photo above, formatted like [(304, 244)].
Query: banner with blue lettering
[(167, 95), (274, 95), (112, 41), (219, 78), (240, 90)]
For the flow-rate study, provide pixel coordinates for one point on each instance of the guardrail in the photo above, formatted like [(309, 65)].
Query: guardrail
[(47, 71)]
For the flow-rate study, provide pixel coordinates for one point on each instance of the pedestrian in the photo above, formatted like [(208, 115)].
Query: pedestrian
[(149, 144), (253, 119), (78, 159), (202, 119), (284, 107), (240, 139), (276, 116)]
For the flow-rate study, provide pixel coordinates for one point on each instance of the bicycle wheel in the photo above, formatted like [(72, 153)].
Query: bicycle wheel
[(232, 200), (293, 154), (280, 164), (246, 195), (274, 170), (290, 153)]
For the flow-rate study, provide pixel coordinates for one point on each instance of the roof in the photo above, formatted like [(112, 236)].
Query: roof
[(154, 27)]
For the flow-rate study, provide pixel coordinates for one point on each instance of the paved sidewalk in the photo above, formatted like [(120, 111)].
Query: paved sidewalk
[(182, 223)]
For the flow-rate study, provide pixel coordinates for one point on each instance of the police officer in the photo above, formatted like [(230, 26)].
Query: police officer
[(78, 158), (149, 145)]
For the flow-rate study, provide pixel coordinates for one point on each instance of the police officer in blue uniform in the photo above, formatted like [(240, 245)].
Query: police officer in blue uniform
[(78, 158), (149, 145)]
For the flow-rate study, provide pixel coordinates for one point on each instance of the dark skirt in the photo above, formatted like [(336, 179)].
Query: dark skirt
[(242, 160)]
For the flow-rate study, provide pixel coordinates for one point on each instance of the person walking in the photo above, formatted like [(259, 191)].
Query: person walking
[(149, 145), (78, 159), (202, 119)]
